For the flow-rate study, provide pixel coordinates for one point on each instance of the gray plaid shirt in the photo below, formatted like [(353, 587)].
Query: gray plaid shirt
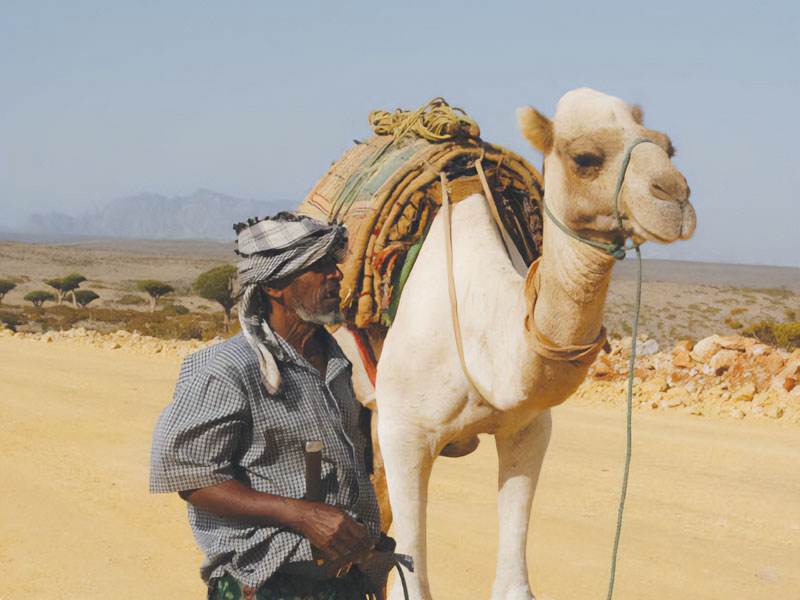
[(222, 424)]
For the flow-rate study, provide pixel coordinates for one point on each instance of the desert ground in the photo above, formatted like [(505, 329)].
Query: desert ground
[(713, 506)]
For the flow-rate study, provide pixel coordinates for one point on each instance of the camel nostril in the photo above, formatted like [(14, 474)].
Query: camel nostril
[(660, 192)]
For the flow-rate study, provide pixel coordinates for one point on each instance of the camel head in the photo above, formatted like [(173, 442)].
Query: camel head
[(584, 149)]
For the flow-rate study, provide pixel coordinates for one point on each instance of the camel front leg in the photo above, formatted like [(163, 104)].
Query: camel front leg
[(408, 462), (520, 457)]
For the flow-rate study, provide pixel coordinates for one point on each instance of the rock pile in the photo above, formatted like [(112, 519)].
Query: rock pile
[(732, 376), (118, 341)]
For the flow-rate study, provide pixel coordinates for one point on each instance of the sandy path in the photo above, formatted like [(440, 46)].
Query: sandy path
[(713, 507)]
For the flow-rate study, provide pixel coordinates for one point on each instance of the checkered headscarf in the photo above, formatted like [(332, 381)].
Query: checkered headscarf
[(271, 249)]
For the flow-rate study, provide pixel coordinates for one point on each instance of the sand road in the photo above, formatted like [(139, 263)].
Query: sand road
[(713, 506)]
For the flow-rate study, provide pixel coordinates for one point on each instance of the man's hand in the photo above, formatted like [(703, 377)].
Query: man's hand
[(328, 528), (334, 532)]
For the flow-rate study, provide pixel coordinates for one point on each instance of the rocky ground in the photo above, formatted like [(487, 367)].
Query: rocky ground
[(731, 377)]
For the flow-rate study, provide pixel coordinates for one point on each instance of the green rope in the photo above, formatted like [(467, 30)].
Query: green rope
[(634, 332), (618, 252)]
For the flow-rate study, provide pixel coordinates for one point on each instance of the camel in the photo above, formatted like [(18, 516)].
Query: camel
[(426, 401)]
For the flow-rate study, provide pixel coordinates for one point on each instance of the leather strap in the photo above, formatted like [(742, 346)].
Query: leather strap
[(545, 347)]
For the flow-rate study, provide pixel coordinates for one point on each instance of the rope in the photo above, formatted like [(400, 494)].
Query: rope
[(437, 121), (616, 250), (623, 493), (451, 287)]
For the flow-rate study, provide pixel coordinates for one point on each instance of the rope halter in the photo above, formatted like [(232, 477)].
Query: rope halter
[(616, 250)]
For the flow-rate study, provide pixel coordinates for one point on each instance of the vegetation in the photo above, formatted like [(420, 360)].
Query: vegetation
[(160, 324), (217, 285), (131, 299), (10, 320), (39, 297), (64, 285), (84, 297), (5, 287), (783, 335), (176, 309), (155, 289)]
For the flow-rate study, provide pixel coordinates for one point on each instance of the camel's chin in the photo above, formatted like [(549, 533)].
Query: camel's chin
[(664, 221)]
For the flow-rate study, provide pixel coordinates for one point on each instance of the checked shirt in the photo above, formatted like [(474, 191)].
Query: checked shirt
[(222, 424)]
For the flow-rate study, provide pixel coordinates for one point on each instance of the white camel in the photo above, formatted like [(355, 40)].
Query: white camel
[(425, 400)]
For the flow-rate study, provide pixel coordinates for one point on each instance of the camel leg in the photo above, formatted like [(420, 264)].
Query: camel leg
[(520, 457), (408, 462)]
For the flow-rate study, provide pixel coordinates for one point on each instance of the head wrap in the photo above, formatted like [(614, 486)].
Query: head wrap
[(271, 249)]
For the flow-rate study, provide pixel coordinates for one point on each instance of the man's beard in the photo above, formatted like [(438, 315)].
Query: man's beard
[(317, 316)]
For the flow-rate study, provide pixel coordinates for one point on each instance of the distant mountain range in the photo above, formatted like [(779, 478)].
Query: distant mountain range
[(202, 215)]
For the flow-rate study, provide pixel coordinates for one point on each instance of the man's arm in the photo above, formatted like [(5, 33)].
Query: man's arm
[(325, 526)]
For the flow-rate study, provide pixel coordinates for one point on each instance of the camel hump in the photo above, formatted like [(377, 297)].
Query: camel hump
[(387, 191)]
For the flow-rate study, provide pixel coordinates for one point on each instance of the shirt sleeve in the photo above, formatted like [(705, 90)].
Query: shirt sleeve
[(197, 437)]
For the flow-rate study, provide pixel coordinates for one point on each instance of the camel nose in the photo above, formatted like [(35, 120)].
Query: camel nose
[(671, 186)]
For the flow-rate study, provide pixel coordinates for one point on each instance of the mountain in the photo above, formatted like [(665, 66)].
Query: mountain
[(203, 215)]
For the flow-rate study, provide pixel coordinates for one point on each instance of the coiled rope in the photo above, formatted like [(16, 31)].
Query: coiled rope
[(437, 121)]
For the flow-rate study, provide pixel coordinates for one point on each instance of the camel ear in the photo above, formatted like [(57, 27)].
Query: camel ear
[(536, 128)]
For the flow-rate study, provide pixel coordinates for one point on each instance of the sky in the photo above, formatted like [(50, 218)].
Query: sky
[(107, 99)]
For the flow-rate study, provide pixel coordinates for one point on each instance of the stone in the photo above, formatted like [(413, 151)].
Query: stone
[(685, 344), (737, 342), (723, 360), (744, 393), (706, 348), (681, 359), (773, 411), (602, 367), (655, 385), (647, 348), (677, 396)]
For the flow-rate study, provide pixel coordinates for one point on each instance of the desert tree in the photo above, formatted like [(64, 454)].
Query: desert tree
[(217, 285), (5, 287), (84, 297), (39, 297), (155, 289), (64, 285)]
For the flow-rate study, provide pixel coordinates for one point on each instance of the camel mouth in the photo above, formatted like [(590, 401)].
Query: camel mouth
[(662, 221)]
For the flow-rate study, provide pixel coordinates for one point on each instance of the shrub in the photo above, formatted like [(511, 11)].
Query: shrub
[(10, 320), (175, 309), (5, 287), (39, 297), (130, 299), (783, 335), (65, 285), (155, 289), (217, 285), (84, 297)]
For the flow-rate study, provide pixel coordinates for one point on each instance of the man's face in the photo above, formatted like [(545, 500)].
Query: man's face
[(313, 293)]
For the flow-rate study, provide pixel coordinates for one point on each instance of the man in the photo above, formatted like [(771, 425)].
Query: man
[(232, 442)]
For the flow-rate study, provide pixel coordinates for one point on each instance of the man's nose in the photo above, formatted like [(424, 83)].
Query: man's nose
[(336, 273)]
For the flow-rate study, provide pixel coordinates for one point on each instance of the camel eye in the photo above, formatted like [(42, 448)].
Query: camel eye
[(587, 159)]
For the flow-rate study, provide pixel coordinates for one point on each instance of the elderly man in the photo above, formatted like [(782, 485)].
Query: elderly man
[(232, 442)]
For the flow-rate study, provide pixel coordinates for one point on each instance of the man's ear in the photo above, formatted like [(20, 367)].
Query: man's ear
[(272, 293)]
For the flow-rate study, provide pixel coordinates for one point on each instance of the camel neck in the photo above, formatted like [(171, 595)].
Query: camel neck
[(574, 280)]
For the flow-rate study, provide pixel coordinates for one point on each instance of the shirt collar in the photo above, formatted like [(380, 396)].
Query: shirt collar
[(284, 351)]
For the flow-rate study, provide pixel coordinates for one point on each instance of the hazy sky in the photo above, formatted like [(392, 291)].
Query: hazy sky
[(105, 99)]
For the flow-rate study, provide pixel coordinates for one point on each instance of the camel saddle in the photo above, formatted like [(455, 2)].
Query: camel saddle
[(386, 191)]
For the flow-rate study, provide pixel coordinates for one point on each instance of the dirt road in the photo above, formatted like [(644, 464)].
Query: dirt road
[(713, 506)]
